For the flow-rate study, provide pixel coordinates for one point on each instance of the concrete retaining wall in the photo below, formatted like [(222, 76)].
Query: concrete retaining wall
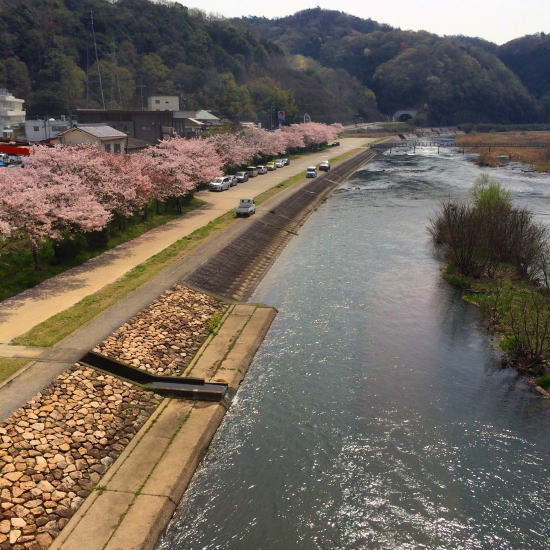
[(134, 501)]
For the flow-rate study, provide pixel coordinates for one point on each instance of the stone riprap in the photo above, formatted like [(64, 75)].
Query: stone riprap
[(55, 449)]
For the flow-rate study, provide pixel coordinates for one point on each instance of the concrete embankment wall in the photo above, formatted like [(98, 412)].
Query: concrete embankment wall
[(136, 498), (235, 271)]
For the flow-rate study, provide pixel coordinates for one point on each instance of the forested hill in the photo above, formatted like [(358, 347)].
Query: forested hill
[(328, 64), (149, 48), (456, 78)]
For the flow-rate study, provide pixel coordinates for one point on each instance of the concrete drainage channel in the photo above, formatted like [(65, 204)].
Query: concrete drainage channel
[(235, 271), (136, 498)]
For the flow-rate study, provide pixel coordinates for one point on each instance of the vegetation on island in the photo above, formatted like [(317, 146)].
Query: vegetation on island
[(512, 148), (501, 256)]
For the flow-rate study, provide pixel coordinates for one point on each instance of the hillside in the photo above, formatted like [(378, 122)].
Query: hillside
[(454, 78), (148, 48), (329, 64)]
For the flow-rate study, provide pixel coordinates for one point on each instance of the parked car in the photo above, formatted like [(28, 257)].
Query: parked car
[(271, 166), (286, 162), (311, 172), (252, 171), (261, 170), (335, 144), (324, 166), (241, 177), (220, 184), (246, 207), (279, 163)]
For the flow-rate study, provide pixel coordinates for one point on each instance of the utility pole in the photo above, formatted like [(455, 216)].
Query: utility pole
[(141, 86)]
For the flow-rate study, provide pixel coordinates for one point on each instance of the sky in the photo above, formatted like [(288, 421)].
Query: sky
[(495, 20)]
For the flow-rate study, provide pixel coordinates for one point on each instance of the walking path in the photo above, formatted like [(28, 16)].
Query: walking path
[(20, 313)]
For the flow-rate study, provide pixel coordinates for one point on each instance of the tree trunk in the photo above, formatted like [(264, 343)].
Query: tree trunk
[(36, 257)]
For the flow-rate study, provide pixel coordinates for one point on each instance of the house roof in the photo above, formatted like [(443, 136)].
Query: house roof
[(198, 115), (101, 131)]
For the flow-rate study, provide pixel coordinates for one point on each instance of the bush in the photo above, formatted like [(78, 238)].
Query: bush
[(544, 381), (479, 236)]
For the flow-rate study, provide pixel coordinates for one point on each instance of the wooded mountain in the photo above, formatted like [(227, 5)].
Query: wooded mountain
[(455, 78), (326, 63)]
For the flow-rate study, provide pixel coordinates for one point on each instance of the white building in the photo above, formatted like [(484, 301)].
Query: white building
[(163, 103), (39, 130), (11, 110), (101, 136)]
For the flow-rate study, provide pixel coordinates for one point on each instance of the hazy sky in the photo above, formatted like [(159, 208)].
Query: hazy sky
[(495, 20)]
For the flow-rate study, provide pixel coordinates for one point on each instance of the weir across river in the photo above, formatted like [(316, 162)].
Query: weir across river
[(447, 143)]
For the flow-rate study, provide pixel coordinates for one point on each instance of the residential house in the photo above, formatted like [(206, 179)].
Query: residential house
[(104, 137), (41, 130)]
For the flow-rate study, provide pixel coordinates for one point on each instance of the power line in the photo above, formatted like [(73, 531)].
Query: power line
[(97, 59)]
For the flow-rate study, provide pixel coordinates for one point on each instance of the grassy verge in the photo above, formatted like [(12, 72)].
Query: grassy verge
[(57, 327), (9, 365), (17, 272)]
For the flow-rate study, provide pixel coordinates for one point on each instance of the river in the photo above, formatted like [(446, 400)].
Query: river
[(376, 413)]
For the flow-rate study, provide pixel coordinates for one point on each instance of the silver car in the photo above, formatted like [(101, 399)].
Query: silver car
[(221, 183)]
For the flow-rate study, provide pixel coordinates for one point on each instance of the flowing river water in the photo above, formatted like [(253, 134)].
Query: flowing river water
[(376, 413)]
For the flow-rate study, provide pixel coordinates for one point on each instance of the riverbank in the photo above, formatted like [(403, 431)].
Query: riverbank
[(53, 452), (517, 316), (538, 159)]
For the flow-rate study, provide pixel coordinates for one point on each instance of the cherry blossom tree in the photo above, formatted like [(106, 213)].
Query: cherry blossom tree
[(36, 204), (294, 136), (179, 165), (233, 149)]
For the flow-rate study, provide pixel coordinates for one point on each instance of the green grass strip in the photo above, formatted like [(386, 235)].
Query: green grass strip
[(9, 365)]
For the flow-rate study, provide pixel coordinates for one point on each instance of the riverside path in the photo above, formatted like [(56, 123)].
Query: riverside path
[(20, 313)]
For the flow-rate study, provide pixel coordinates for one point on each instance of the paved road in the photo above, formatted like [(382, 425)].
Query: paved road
[(20, 313)]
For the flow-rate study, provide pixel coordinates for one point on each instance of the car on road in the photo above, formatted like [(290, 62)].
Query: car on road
[(252, 171), (335, 144), (220, 184), (241, 177), (246, 207), (324, 166), (271, 166), (261, 170), (286, 162), (279, 163), (311, 172)]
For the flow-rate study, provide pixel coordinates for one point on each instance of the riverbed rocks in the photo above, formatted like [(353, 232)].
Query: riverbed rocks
[(55, 449)]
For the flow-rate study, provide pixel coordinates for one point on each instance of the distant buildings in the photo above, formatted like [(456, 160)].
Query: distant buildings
[(106, 138), (11, 112), (155, 124), (163, 103), (41, 130)]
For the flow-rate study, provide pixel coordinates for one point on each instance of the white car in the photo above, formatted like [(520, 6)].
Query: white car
[(246, 207), (221, 183), (279, 163), (324, 166), (311, 172)]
